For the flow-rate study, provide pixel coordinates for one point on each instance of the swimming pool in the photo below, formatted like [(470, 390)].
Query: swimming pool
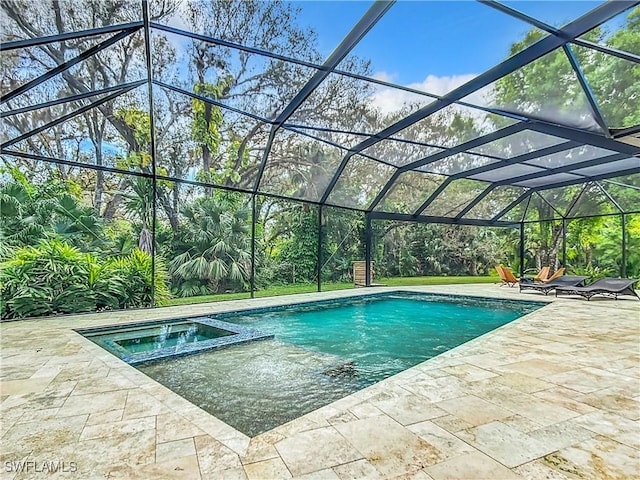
[(323, 351), (145, 342)]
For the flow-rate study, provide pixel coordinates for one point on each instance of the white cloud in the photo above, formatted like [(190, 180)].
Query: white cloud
[(441, 85), (389, 100), (385, 76)]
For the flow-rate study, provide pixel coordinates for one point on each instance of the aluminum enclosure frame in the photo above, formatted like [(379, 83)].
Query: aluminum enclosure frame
[(558, 38)]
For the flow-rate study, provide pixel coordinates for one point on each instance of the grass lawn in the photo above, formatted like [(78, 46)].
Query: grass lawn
[(312, 287), (414, 281)]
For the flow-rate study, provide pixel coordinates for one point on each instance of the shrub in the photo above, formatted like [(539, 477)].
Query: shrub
[(135, 270), (55, 277)]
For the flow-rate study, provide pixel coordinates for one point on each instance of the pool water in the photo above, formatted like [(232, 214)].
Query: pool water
[(145, 342), (164, 336), (324, 351)]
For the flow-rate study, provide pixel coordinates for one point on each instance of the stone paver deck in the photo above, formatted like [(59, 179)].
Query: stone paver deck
[(554, 394)]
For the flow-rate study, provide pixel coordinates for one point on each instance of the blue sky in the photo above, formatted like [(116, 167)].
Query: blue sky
[(416, 39)]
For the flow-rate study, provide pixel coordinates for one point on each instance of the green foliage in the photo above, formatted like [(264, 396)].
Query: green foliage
[(135, 269), (619, 104), (55, 277), (31, 212), (139, 123), (207, 117), (213, 249), (548, 86), (296, 259), (432, 249), (633, 246)]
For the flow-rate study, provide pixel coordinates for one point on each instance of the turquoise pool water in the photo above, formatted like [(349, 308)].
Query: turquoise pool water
[(173, 335), (324, 351)]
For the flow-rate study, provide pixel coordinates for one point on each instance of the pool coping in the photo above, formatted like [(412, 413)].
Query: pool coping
[(240, 334), (273, 449)]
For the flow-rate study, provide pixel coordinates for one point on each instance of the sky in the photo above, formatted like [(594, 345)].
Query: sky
[(432, 46), (442, 39)]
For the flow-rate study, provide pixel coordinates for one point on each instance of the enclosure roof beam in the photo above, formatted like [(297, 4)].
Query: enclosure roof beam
[(167, 178), (603, 176), (211, 101), (623, 132), (544, 46), (368, 20), (630, 57), (553, 207), (565, 169), (66, 117), (333, 144), (591, 99), (73, 163), (573, 203), (285, 58), (476, 201), (608, 195), (554, 31), (405, 217), (609, 180), (68, 64), (233, 45), (72, 98), (34, 42), (523, 16), (366, 23), (583, 137), (476, 142), (433, 196), (560, 147), (513, 204)]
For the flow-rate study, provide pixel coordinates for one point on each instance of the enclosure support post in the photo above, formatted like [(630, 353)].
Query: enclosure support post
[(319, 266), (367, 251), (154, 180), (564, 242), (252, 276), (521, 249), (623, 265)]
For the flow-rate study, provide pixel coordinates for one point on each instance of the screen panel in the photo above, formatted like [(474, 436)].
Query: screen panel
[(409, 191), (360, 182), (299, 167)]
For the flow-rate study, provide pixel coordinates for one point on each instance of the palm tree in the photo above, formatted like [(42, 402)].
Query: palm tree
[(32, 213), (216, 244), (140, 203), (22, 220)]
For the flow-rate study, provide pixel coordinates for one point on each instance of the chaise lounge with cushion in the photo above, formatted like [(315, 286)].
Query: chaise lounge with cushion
[(564, 281), (604, 286)]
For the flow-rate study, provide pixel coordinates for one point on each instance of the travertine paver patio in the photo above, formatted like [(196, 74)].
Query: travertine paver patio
[(555, 394)]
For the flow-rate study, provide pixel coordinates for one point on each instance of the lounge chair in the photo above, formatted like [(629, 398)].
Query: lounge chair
[(604, 286), (542, 276), (556, 275), (507, 276), (564, 281), (503, 279)]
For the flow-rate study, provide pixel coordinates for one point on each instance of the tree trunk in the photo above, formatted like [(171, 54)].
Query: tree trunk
[(97, 145), (473, 267), (171, 209), (206, 152)]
